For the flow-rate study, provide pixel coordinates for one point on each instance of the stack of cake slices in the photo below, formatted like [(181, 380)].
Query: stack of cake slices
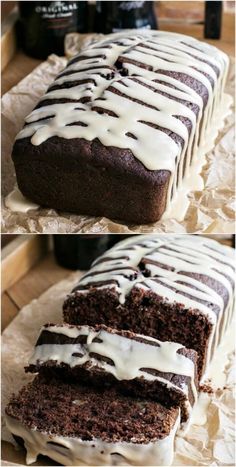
[(107, 395)]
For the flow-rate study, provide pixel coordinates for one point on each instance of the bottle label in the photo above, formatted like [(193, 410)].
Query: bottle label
[(127, 6), (56, 10)]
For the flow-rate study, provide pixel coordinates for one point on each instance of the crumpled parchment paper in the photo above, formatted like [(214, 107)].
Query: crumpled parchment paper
[(210, 211), (208, 444)]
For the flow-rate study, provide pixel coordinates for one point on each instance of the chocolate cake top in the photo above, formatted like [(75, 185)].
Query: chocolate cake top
[(151, 92), (143, 90), (115, 78), (189, 276), (194, 271)]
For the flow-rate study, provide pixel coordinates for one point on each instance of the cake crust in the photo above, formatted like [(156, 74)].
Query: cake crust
[(130, 184)]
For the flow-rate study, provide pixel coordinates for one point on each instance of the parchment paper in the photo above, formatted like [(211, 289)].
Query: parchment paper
[(210, 211), (208, 444)]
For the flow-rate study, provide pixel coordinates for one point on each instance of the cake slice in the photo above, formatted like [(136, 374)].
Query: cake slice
[(171, 287), (79, 425), (137, 365)]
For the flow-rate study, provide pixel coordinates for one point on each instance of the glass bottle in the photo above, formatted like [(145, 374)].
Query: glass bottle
[(115, 16), (43, 25)]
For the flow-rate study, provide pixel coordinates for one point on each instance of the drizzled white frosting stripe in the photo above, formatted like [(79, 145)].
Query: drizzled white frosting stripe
[(75, 451), (128, 355), (168, 259), (96, 76)]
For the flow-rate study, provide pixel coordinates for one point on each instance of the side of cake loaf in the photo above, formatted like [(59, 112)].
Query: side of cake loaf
[(136, 365), (172, 288), (79, 425), (120, 128)]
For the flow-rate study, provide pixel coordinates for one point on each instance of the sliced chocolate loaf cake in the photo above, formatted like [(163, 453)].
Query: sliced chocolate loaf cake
[(79, 425), (123, 127), (136, 365), (172, 288)]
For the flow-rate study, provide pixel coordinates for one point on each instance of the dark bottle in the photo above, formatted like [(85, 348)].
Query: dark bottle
[(79, 251), (43, 25), (213, 15), (115, 16), (116, 238)]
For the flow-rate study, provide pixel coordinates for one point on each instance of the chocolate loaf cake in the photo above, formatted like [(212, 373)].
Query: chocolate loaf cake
[(136, 365), (172, 288), (78, 425), (120, 131)]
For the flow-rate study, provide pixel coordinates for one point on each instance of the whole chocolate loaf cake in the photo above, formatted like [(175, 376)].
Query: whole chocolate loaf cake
[(172, 288), (79, 425), (136, 365), (123, 127)]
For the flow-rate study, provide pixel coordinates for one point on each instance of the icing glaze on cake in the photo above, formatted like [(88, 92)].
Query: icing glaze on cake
[(77, 424), (75, 451), (126, 356), (187, 270), (126, 92)]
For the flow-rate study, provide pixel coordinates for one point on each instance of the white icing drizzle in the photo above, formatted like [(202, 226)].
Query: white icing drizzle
[(128, 356), (96, 76), (75, 451), (16, 202), (176, 256)]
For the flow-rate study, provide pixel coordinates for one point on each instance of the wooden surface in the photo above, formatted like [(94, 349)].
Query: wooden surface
[(9, 17), (20, 255), (21, 65), (226, 43), (6, 9), (5, 239), (8, 47), (43, 275)]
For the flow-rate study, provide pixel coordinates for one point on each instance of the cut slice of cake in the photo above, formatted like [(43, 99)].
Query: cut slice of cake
[(171, 287), (137, 365), (79, 425)]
